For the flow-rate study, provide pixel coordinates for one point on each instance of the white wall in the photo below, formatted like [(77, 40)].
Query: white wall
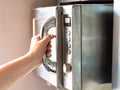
[(15, 34)]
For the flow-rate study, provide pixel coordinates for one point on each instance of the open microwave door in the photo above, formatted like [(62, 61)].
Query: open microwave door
[(51, 20), (45, 23)]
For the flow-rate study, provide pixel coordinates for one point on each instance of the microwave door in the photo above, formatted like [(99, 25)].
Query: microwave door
[(46, 24), (51, 65), (50, 22), (63, 81)]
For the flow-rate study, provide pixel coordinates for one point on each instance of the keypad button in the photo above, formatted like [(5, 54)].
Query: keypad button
[(68, 39), (69, 45), (69, 51), (69, 33)]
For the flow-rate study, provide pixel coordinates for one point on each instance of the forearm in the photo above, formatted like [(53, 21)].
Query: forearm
[(14, 70), (18, 68)]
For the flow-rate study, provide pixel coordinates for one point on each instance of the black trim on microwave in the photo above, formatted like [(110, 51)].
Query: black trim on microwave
[(86, 2)]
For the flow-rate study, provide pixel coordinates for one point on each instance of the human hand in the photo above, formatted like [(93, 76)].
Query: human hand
[(40, 47)]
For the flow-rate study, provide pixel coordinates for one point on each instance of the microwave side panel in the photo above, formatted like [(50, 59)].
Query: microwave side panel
[(42, 14), (97, 35)]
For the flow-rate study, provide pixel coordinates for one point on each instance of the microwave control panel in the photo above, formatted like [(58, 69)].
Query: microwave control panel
[(67, 47)]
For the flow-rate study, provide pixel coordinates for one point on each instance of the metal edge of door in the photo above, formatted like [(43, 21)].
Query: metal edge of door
[(116, 47), (59, 68), (76, 49)]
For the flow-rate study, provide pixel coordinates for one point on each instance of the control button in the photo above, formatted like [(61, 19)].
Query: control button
[(69, 51), (67, 20), (67, 68), (69, 45), (69, 33), (68, 39)]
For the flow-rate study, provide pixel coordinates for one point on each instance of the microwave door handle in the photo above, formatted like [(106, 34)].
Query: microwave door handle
[(59, 58), (49, 23)]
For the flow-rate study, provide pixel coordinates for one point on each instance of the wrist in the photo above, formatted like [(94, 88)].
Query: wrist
[(36, 61)]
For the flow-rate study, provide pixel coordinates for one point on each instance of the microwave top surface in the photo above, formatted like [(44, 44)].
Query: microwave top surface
[(84, 1)]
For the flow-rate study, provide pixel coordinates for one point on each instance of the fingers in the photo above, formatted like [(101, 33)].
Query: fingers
[(48, 50), (46, 42), (48, 38), (48, 53), (49, 45)]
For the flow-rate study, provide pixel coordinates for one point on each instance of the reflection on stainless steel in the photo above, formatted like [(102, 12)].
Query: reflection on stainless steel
[(116, 47), (93, 64), (97, 45)]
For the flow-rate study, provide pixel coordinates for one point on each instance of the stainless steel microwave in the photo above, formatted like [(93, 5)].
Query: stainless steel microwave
[(82, 50)]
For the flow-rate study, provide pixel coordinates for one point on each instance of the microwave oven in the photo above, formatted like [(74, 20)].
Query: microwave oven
[(82, 50)]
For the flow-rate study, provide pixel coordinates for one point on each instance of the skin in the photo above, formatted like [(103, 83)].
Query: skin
[(22, 66)]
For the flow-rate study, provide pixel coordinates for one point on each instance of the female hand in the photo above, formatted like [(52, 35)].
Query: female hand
[(39, 47)]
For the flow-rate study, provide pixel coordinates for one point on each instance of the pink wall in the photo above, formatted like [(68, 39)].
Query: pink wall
[(15, 35)]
